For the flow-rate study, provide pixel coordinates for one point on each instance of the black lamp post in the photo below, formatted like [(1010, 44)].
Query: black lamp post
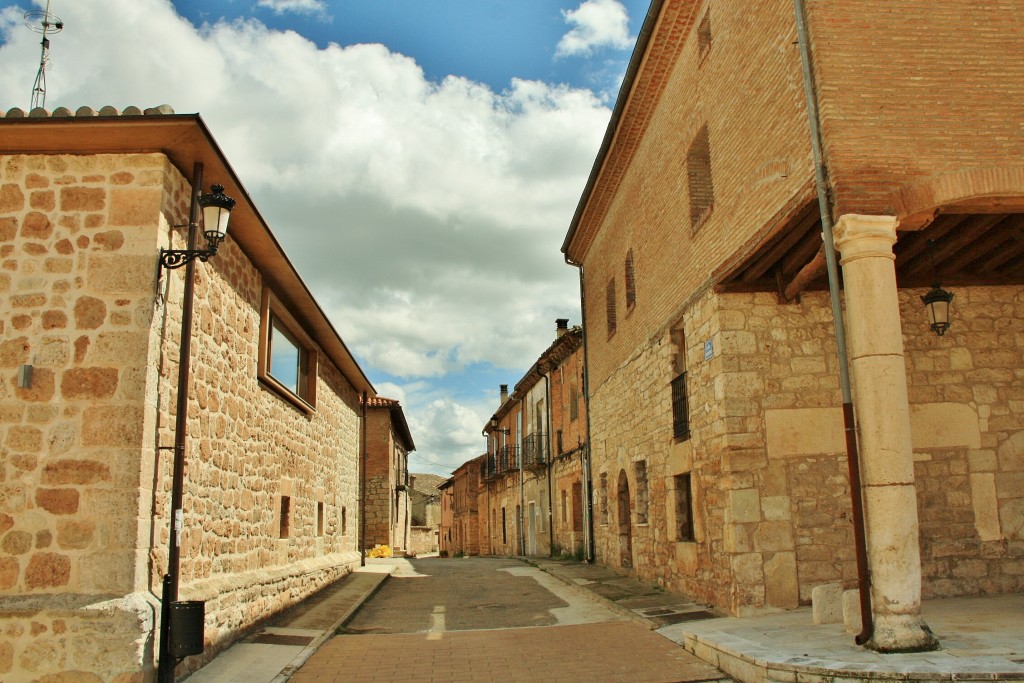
[(937, 302), (181, 623)]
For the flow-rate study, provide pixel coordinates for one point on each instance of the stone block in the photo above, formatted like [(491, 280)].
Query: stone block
[(48, 570), (78, 198), (12, 199), (90, 313), (851, 611), (120, 273), (804, 431), (71, 472), (36, 226), (827, 603), (942, 425), (58, 501), (744, 506), (135, 206), (89, 383), (780, 581)]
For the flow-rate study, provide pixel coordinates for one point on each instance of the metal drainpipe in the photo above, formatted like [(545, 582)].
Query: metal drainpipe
[(853, 461), (522, 497), (362, 488), (547, 399), (585, 454)]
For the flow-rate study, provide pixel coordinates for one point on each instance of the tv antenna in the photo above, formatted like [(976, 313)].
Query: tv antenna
[(41, 21)]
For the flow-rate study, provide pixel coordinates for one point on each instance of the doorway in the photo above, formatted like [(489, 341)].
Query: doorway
[(625, 528)]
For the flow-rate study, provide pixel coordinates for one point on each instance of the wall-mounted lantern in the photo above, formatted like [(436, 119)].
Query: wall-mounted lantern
[(937, 303)]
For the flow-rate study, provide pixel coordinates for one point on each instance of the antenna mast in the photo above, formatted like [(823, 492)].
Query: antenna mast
[(41, 21)]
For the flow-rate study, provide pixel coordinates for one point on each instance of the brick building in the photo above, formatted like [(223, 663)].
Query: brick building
[(90, 335), (714, 384), (535, 500), (460, 530), (388, 444)]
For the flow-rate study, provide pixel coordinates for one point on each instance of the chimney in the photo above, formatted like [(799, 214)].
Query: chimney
[(504, 393), (561, 327)]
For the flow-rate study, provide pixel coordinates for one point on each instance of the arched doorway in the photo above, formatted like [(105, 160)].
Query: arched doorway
[(625, 527)]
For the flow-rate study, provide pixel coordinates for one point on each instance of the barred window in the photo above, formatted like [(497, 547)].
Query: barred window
[(630, 281), (698, 173), (704, 36), (610, 307), (680, 409)]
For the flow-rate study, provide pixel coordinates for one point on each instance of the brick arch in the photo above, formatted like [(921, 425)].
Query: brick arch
[(999, 189)]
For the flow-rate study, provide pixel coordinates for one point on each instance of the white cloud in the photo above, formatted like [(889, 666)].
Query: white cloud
[(426, 217), (595, 23), (298, 6)]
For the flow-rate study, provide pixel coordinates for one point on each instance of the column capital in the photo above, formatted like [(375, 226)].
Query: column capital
[(865, 236)]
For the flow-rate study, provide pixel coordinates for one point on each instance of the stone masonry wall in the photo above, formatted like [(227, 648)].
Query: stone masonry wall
[(768, 458), (83, 528)]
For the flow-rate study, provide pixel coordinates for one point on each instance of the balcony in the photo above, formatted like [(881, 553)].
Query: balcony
[(488, 469), (535, 451), (508, 459)]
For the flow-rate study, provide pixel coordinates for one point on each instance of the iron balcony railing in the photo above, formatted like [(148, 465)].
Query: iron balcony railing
[(535, 450), (488, 468), (508, 459)]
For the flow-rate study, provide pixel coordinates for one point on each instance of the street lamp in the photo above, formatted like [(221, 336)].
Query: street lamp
[(937, 302), (216, 208), (182, 623)]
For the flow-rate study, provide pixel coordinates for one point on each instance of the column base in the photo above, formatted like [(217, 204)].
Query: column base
[(902, 633)]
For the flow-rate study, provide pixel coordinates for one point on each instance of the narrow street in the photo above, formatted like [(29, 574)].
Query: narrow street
[(487, 619)]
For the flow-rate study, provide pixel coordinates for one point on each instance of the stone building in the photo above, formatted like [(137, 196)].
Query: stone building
[(388, 444), (460, 512), (535, 501), (713, 375), (425, 512), (89, 340)]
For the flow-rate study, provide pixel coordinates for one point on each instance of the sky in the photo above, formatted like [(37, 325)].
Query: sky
[(419, 160)]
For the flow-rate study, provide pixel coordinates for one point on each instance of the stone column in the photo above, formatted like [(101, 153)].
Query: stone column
[(883, 419)]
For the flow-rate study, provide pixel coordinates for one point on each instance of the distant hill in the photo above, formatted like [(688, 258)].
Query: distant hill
[(428, 483)]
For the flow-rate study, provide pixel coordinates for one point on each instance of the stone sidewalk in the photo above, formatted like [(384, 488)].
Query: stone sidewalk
[(981, 639)]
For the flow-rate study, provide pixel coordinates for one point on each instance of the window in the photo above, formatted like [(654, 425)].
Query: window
[(640, 471), (704, 37), (698, 175), (504, 533), (680, 409), (564, 517), (680, 404), (288, 357), (630, 282), (319, 519), (684, 508), (344, 521), (561, 448), (284, 520), (574, 402), (610, 307)]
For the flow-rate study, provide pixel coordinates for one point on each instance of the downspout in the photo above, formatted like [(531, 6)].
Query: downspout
[(550, 416), (853, 461), (585, 453), (522, 496), (362, 487)]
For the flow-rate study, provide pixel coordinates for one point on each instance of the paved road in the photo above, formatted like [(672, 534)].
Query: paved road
[(485, 619)]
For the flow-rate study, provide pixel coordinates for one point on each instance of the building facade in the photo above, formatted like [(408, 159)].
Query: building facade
[(460, 510), (388, 517), (719, 456), (535, 498), (90, 334), (425, 512)]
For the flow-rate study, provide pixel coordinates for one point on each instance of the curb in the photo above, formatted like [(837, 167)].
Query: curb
[(595, 597), (308, 651)]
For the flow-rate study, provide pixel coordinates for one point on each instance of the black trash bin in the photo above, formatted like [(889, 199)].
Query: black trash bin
[(187, 620)]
